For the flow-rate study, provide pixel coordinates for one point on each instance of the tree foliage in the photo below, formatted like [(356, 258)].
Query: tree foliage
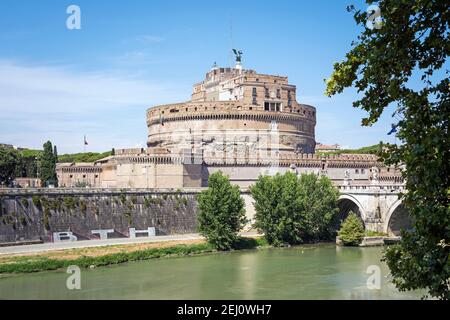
[(401, 65), (374, 149), (294, 210), (9, 161), (84, 157), (221, 212), (47, 164), (351, 232)]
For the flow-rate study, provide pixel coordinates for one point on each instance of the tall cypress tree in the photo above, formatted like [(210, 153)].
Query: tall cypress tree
[(47, 165), (55, 154)]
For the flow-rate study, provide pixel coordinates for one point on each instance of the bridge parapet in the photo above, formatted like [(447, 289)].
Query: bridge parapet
[(369, 188)]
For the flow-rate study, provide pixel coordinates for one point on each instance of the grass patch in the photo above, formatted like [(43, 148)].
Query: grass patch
[(369, 233), (23, 265), (29, 264)]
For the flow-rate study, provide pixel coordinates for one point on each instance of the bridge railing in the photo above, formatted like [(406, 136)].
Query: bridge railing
[(372, 188)]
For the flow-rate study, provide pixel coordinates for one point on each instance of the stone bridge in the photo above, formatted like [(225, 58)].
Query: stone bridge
[(378, 206)]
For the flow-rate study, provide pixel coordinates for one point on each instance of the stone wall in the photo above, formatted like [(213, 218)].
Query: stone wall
[(35, 214)]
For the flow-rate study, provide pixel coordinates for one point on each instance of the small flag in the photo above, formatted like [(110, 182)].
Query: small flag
[(85, 141), (393, 130)]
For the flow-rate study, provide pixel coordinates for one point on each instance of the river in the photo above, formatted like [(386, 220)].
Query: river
[(308, 272)]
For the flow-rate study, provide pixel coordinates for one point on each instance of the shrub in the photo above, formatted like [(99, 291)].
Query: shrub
[(370, 233), (69, 202), (24, 202), (123, 198), (352, 230), (37, 202), (83, 207), (221, 212), (81, 184), (294, 210), (147, 202)]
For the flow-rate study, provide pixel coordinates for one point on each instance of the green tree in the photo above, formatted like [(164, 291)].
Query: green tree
[(319, 203), (55, 154), (351, 232), (294, 210), (47, 164), (221, 212), (9, 162), (401, 65)]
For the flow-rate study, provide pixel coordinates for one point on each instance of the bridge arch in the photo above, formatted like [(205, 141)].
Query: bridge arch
[(397, 218), (347, 203)]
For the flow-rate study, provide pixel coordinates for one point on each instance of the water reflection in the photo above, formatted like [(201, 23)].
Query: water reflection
[(307, 272)]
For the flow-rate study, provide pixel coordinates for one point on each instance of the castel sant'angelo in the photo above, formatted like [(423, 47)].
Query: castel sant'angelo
[(238, 121)]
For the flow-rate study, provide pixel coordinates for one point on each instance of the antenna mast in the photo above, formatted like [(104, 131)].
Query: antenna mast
[(230, 52)]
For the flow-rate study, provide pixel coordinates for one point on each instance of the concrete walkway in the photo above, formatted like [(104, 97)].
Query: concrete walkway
[(45, 247)]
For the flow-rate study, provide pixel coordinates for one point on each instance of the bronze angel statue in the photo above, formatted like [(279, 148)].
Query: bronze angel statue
[(238, 54)]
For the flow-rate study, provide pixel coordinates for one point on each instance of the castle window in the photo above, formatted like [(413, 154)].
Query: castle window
[(71, 176), (254, 102), (356, 171), (84, 176), (254, 92), (272, 106), (289, 98), (363, 171), (267, 93), (278, 93)]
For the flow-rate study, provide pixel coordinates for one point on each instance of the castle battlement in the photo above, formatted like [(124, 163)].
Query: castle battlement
[(213, 108)]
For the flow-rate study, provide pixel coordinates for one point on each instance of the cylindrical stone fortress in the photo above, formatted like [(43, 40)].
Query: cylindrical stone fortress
[(235, 111)]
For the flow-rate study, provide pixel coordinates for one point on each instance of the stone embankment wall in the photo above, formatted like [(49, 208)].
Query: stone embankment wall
[(34, 214)]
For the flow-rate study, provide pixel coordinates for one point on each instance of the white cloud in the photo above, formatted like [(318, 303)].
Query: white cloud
[(138, 58), (60, 104), (53, 89), (149, 39)]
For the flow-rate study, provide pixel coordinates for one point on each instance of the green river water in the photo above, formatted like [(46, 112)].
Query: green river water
[(309, 272)]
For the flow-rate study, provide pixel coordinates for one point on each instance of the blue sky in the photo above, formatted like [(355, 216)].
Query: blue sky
[(58, 84)]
